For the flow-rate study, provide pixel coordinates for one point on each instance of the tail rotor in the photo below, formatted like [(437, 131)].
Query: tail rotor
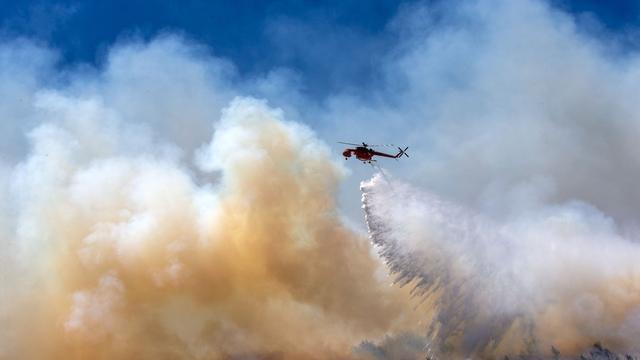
[(402, 152)]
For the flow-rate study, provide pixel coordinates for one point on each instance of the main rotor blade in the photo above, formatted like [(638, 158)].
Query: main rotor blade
[(346, 143), (365, 144)]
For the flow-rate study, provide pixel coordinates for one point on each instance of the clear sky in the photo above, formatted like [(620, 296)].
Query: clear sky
[(255, 36)]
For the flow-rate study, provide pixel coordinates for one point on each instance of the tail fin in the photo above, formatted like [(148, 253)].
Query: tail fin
[(402, 152)]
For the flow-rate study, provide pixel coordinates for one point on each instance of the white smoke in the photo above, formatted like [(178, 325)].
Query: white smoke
[(505, 105)]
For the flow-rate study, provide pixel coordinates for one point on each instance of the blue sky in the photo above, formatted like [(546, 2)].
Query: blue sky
[(255, 36)]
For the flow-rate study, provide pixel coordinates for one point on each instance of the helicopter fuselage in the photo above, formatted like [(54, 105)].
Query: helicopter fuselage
[(364, 154)]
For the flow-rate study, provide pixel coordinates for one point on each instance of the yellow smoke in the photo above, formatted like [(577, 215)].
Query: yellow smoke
[(137, 260)]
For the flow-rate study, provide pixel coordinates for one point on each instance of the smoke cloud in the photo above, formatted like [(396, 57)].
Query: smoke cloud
[(116, 245)]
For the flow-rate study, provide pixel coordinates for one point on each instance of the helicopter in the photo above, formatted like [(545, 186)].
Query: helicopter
[(365, 153)]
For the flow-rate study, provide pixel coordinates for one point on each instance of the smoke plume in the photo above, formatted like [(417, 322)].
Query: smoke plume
[(116, 246)]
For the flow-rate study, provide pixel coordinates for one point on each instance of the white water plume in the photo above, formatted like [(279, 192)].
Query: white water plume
[(563, 276)]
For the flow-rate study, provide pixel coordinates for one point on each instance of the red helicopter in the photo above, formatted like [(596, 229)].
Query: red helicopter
[(365, 153)]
